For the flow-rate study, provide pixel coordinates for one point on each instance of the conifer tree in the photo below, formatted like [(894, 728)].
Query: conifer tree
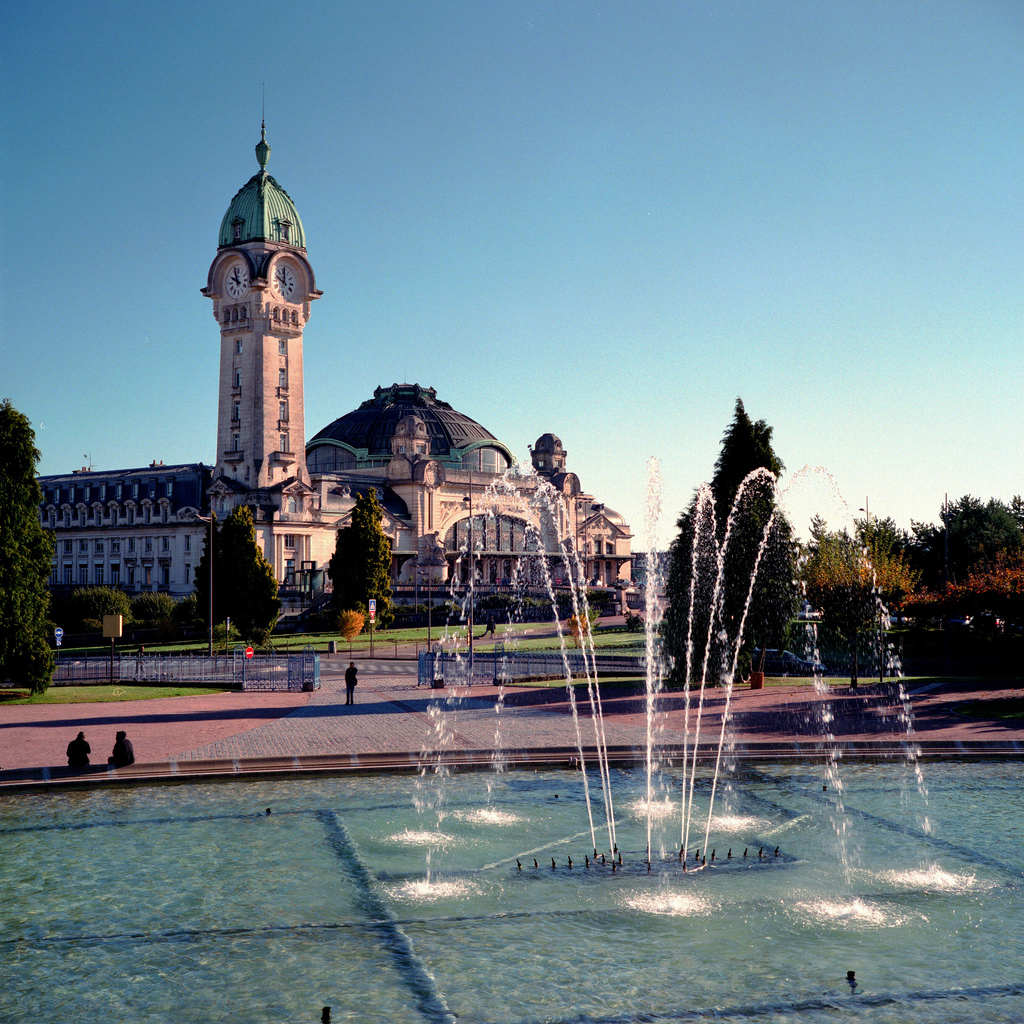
[(244, 587), (746, 446), (360, 567), (26, 552)]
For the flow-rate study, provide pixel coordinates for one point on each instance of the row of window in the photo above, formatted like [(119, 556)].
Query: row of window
[(236, 410), (240, 314), (110, 575), (104, 492), (114, 544), (284, 445), (109, 515)]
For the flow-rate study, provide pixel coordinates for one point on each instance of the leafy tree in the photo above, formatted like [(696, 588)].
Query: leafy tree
[(186, 611), (750, 504), (991, 591), (26, 551), (350, 625), (88, 605), (360, 568), (152, 607), (977, 533), (846, 581), (244, 587)]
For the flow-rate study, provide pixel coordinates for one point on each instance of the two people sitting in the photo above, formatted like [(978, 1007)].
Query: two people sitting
[(79, 750)]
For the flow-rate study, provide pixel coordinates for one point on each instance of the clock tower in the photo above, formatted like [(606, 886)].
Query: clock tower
[(262, 287)]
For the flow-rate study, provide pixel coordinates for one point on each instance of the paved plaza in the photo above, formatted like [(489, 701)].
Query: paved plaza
[(396, 723)]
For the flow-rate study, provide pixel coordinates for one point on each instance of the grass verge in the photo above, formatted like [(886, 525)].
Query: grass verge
[(104, 692)]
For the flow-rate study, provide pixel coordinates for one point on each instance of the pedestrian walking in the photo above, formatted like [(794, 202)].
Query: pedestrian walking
[(350, 683)]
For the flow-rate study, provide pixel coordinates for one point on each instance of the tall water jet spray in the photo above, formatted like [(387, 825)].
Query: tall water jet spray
[(652, 621)]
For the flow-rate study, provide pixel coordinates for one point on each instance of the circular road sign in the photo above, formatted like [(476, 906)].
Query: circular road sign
[(248, 652)]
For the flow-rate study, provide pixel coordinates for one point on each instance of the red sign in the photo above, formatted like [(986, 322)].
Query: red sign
[(248, 652)]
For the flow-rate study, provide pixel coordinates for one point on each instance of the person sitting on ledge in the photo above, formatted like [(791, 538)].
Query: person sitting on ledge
[(124, 753), (78, 752)]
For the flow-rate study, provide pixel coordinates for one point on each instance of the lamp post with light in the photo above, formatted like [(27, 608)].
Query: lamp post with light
[(209, 551), (472, 575)]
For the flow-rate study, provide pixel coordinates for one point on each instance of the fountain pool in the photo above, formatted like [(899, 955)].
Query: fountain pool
[(393, 900)]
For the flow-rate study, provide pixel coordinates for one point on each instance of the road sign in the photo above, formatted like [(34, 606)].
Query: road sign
[(248, 652), (373, 608), (58, 633)]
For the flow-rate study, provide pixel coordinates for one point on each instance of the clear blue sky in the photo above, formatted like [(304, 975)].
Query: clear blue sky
[(604, 220)]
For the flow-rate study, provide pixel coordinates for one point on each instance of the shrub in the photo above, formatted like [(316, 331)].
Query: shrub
[(634, 623), (350, 623), (88, 605), (152, 607)]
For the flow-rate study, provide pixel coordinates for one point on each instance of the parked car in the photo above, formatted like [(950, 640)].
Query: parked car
[(785, 663)]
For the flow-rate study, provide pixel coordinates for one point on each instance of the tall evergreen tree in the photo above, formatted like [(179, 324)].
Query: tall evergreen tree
[(746, 447), (244, 587), (360, 567), (26, 552)]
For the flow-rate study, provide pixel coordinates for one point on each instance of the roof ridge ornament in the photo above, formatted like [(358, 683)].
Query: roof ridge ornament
[(263, 148)]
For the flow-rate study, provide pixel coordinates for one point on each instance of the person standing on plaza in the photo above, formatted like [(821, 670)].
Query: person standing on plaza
[(78, 752), (350, 683)]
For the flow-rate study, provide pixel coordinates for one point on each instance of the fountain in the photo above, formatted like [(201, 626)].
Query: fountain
[(273, 900)]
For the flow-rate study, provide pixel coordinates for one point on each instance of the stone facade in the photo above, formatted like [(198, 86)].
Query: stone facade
[(446, 483)]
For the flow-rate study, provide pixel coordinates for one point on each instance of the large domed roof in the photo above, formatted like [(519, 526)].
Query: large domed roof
[(370, 428), (262, 211)]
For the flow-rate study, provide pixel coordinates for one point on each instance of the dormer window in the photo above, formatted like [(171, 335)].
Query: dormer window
[(286, 230), (237, 225)]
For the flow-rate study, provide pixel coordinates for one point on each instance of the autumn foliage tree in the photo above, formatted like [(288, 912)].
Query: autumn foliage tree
[(848, 579)]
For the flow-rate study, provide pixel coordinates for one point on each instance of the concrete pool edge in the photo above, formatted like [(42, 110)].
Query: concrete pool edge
[(271, 767)]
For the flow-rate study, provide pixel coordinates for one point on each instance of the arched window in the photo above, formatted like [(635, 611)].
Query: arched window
[(485, 460)]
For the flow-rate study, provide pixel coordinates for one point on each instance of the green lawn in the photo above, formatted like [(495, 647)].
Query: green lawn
[(385, 640), (104, 692), (1009, 708)]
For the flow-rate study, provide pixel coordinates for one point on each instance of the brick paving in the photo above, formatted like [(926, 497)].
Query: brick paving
[(394, 717)]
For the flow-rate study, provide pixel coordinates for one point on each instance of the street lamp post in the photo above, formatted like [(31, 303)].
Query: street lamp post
[(472, 575), (209, 554)]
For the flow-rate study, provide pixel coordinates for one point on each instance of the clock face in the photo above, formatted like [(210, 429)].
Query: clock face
[(238, 281), (284, 281)]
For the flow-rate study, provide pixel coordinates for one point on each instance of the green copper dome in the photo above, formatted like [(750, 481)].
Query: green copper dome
[(262, 211)]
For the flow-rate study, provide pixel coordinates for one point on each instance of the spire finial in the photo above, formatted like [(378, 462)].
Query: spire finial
[(262, 147)]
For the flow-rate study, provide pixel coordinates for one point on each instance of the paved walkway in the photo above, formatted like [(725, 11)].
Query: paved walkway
[(395, 722)]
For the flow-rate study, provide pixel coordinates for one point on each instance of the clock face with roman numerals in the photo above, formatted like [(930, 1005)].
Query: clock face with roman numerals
[(284, 281), (237, 281)]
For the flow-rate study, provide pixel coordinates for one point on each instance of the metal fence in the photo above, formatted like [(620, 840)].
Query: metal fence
[(292, 672), (438, 667)]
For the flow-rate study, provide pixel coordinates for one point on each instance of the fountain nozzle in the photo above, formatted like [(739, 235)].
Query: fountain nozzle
[(535, 864), (744, 851), (713, 848), (518, 865), (552, 863), (570, 863), (730, 854), (776, 851)]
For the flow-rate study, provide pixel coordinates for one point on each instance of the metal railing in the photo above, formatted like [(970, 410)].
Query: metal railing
[(438, 668), (292, 672)]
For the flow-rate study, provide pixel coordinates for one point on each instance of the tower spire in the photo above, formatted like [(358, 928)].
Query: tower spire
[(262, 147)]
